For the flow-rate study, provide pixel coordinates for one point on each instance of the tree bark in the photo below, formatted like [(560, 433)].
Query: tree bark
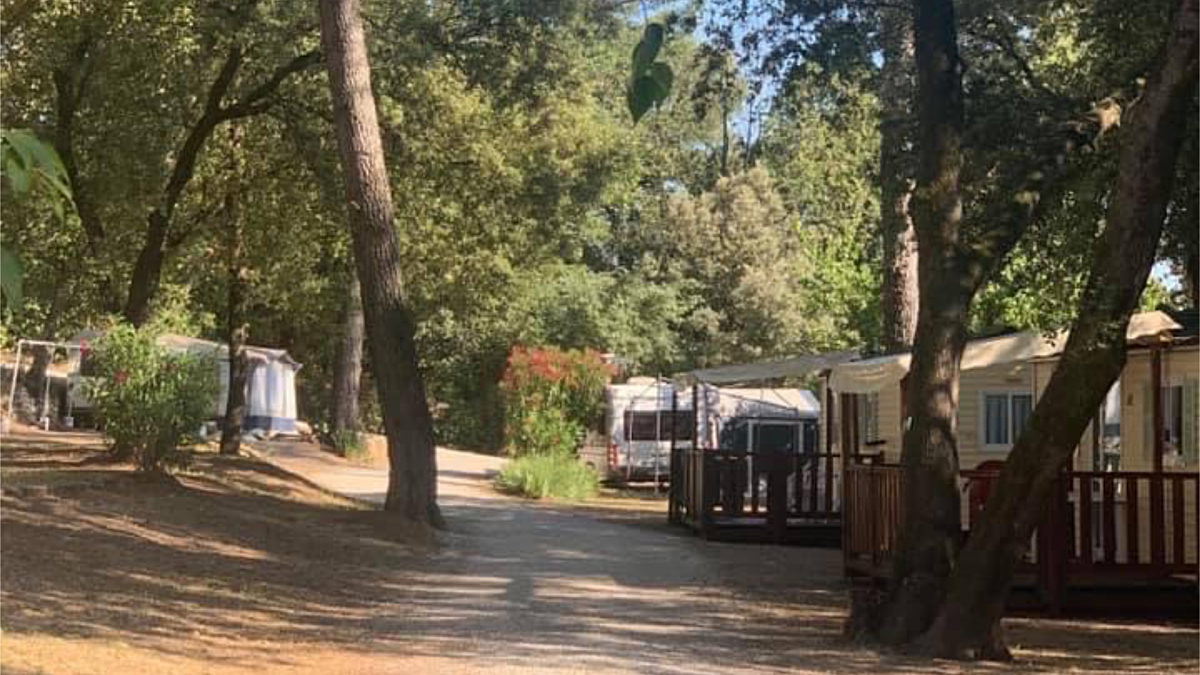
[(347, 370), (391, 328), (969, 620), (236, 328), (929, 537), (899, 299)]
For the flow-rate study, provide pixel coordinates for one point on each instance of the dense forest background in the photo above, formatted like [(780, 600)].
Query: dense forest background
[(739, 220)]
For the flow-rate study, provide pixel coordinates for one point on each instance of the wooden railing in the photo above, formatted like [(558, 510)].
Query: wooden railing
[(1126, 523), (711, 486), (871, 518)]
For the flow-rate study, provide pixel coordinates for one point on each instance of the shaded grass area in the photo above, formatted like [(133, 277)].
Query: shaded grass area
[(233, 550)]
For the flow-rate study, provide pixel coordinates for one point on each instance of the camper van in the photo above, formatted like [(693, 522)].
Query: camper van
[(643, 414)]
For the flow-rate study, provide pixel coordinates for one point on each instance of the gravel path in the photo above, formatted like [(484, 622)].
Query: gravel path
[(526, 587)]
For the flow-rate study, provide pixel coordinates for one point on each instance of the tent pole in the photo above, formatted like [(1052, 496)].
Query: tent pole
[(12, 390)]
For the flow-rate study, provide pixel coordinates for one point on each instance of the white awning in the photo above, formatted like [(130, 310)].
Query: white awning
[(800, 366), (871, 375)]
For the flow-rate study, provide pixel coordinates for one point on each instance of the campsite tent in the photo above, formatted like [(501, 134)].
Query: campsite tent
[(270, 385)]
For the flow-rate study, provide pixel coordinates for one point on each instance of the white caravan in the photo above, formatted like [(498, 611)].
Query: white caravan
[(642, 414)]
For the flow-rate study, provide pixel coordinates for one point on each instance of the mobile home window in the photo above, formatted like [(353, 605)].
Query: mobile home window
[(1180, 423), (1005, 415), (868, 417)]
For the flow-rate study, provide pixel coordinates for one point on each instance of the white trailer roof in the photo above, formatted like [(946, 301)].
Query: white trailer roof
[(871, 375)]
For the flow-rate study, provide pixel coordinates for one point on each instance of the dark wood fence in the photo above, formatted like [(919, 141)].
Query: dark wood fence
[(720, 489), (1099, 527)]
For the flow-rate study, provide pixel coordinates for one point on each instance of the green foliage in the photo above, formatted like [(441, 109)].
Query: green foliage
[(29, 168), (11, 274), (551, 397), (150, 400), (649, 80), (540, 476)]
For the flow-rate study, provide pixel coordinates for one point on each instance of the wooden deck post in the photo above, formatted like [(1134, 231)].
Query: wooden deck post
[(672, 469), (1157, 524)]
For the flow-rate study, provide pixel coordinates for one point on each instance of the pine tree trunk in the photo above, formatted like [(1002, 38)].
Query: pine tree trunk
[(391, 328), (235, 402), (347, 369), (899, 297), (929, 537), (969, 621)]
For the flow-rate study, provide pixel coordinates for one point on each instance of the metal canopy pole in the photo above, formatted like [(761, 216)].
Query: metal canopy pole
[(12, 390)]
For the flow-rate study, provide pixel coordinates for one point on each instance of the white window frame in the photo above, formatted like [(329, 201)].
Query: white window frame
[(1009, 395)]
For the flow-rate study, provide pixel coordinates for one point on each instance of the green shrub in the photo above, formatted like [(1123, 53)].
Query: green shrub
[(539, 476), (551, 398), (150, 400)]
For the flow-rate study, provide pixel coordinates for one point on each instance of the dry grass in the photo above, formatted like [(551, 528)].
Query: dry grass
[(240, 567)]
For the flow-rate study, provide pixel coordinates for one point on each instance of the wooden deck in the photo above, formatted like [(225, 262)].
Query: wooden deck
[(1107, 540), (731, 495)]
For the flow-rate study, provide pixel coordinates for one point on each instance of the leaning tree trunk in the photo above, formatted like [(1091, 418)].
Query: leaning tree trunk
[(969, 621), (899, 296), (347, 370), (235, 402), (391, 328), (929, 536)]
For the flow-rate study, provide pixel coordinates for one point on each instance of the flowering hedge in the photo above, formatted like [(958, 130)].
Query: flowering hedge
[(150, 400), (551, 398)]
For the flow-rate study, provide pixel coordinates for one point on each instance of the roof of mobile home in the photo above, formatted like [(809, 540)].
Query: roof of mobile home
[(870, 375)]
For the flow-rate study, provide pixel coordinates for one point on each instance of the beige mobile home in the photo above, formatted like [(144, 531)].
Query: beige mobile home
[(1001, 380), (1125, 510)]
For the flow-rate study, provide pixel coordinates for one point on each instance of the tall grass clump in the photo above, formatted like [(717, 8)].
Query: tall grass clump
[(541, 476)]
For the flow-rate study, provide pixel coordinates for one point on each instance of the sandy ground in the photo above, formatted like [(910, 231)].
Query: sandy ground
[(243, 568)]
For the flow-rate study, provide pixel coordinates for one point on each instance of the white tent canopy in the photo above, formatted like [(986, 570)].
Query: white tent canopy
[(871, 375), (800, 366)]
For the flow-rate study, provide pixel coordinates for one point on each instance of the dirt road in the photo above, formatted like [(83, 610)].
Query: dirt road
[(527, 587)]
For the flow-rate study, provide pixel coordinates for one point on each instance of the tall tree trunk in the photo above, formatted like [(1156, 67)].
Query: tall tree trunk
[(347, 370), (899, 298), (391, 328), (147, 271), (969, 620), (929, 536), (236, 329)]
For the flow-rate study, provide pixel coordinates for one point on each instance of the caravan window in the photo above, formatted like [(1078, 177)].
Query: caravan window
[(776, 438), (656, 425), (641, 426)]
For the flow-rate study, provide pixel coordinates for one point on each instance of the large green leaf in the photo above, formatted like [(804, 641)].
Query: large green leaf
[(649, 80), (11, 273), (661, 73), (644, 93), (647, 48)]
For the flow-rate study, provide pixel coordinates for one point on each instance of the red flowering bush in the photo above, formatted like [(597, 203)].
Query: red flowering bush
[(551, 397), (149, 400)]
